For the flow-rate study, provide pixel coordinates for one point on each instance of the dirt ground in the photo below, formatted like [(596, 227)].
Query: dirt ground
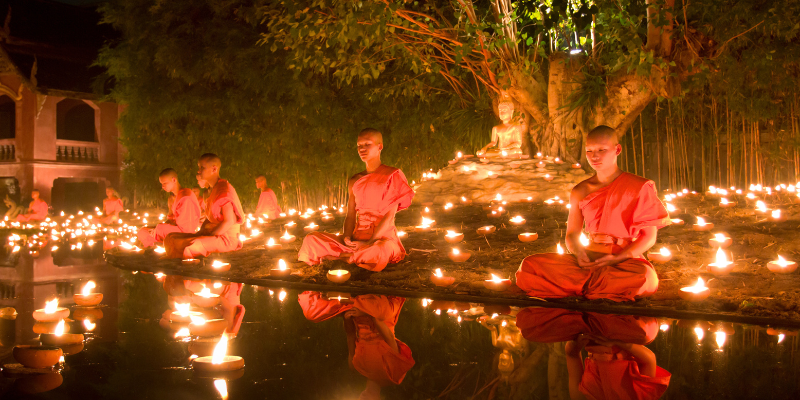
[(750, 290)]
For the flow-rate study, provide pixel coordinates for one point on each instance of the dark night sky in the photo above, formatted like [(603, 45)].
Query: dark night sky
[(79, 2)]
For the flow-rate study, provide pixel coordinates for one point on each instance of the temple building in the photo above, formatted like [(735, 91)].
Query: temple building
[(56, 133)]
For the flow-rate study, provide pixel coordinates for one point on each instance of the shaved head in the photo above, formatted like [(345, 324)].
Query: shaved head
[(211, 159), (262, 176), (376, 135), (602, 133), (168, 173)]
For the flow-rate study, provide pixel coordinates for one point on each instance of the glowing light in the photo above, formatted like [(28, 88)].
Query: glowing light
[(720, 336), (776, 214), (282, 265), (665, 252), (559, 249), (51, 306), (222, 388), (664, 327), (438, 273), (761, 206), (584, 240), (781, 336), (698, 331), (701, 221), (671, 208), (183, 332), (89, 325), (59, 328), (698, 287), (282, 295), (87, 288), (220, 349)]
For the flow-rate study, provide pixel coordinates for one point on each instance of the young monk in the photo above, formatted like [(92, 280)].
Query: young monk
[(184, 211), (375, 195), (621, 214), (112, 206), (37, 210), (224, 216), (267, 201)]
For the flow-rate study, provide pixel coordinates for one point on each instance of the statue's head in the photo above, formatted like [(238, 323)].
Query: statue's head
[(505, 108)]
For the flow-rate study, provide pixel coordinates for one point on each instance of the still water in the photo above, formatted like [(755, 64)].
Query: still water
[(310, 345)]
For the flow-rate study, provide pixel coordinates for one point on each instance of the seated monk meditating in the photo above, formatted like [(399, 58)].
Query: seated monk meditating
[(112, 206), (507, 138), (622, 214), (375, 195), (184, 211), (37, 210), (224, 216), (267, 201)]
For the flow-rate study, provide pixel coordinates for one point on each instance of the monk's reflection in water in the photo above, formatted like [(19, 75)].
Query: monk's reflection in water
[(617, 365), (369, 321)]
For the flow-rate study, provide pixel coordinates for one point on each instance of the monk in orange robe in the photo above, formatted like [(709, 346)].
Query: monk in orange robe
[(373, 349), (184, 211), (622, 214), (112, 206), (375, 195), (37, 210), (224, 216), (267, 201)]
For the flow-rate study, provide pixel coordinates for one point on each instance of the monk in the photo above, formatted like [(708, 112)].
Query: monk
[(112, 206), (267, 201), (184, 211), (37, 210), (224, 216), (373, 349), (621, 214), (375, 195)]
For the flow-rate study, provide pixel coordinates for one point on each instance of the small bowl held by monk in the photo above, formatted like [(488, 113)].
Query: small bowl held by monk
[(442, 280), (528, 237), (486, 230), (338, 275), (212, 327), (33, 356), (87, 300), (59, 314)]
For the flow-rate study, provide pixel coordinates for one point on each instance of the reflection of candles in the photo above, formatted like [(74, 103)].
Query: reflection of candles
[(518, 220), (662, 256), (702, 225), (720, 240), (205, 298), (271, 245), (59, 338), (219, 266), (37, 357), (527, 237), (218, 361), (697, 292), (453, 237), (287, 238), (457, 256), (721, 266), (87, 298), (182, 313), (781, 266), (485, 230), (281, 271), (438, 278), (338, 275), (496, 283), (51, 312)]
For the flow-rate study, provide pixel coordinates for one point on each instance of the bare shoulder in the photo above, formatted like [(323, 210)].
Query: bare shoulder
[(355, 178), (582, 189)]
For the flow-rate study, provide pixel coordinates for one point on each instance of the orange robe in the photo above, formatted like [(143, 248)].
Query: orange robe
[(110, 207), (184, 216), (621, 380), (373, 357), (38, 212), (375, 194), (193, 245), (550, 325), (620, 211), (268, 204)]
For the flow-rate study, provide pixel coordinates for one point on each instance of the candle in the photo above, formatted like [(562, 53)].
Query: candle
[(51, 312), (218, 361), (558, 161), (311, 227), (527, 237), (702, 225), (37, 357), (576, 166), (453, 237), (720, 240), (723, 202), (289, 225), (438, 278), (219, 266), (548, 177), (465, 200), (539, 155), (540, 164), (205, 298), (518, 220), (207, 327), (457, 256), (86, 298), (425, 225), (676, 221), (401, 234), (721, 266), (486, 230), (662, 256), (338, 275), (781, 266), (183, 313), (271, 245), (496, 283), (671, 208), (190, 261), (159, 250), (282, 271), (776, 214), (697, 292), (287, 238), (584, 241), (559, 249), (761, 206), (59, 338)]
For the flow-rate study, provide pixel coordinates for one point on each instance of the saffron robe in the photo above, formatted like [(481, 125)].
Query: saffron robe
[(268, 204), (202, 243), (620, 210), (111, 210), (37, 211), (621, 380), (375, 194), (550, 325), (184, 216), (373, 357)]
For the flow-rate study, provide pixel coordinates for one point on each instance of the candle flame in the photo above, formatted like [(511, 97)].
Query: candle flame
[(697, 288), (664, 327), (698, 331), (87, 288), (456, 252), (438, 273), (720, 336), (452, 233), (220, 349), (721, 259), (583, 239), (701, 221), (426, 222), (761, 206), (496, 279), (51, 306), (59, 328), (182, 308), (723, 201), (183, 332), (218, 264), (665, 252), (89, 325), (670, 207), (205, 292), (222, 388), (160, 250), (776, 214), (286, 235), (781, 336), (271, 242), (782, 262), (197, 320), (282, 295), (559, 249), (518, 219), (719, 237), (338, 272), (282, 265)]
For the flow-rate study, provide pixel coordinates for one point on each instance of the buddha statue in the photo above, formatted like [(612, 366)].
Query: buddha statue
[(508, 137)]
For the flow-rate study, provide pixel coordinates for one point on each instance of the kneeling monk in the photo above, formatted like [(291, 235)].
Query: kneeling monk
[(37, 210), (184, 211), (370, 237), (622, 214), (112, 206), (224, 216)]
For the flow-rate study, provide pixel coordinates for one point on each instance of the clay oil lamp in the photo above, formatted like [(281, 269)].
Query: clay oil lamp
[(218, 361), (548, 177), (281, 271), (425, 225), (453, 237), (458, 256), (159, 250), (540, 164), (312, 227), (338, 275), (438, 278), (486, 230), (724, 203), (190, 261), (539, 156), (465, 200), (558, 161), (676, 221), (702, 225), (559, 249), (87, 298), (776, 214), (491, 174), (205, 298), (720, 240), (697, 292), (528, 237), (662, 256), (271, 245), (219, 266), (518, 220), (448, 206), (575, 166), (721, 266), (761, 207), (497, 284), (401, 234), (183, 314), (287, 238), (781, 266), (207, 328), (290, 225), (37, 357), (59, 338), (51, 312), (90, 313)]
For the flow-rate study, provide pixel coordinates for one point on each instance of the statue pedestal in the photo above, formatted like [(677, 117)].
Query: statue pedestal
[(514, 179)]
